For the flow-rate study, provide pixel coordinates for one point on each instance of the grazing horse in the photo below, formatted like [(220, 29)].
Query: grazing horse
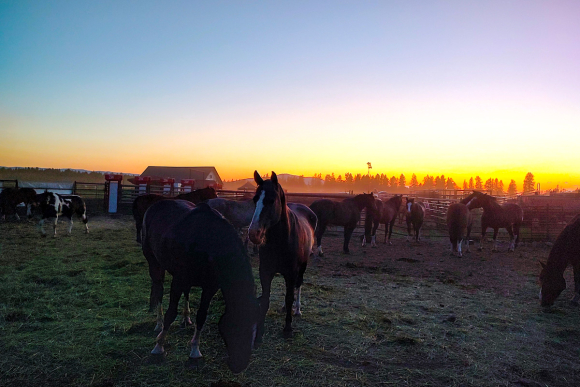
[(11, 197), (345, 213), (285, 237), (414, 217), (564, 252), (198, 247), (387, 215), (53, 205), (143, 202), (509, 216)]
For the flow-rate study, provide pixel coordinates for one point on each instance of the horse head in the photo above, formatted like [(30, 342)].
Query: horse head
[(270, 207), (552, 284), (409, 203), (238, 327)]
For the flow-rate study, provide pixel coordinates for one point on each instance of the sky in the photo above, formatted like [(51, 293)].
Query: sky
[(461, 88)]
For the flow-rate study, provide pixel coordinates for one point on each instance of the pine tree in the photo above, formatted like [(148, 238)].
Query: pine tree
[(500, 187), (488, 185), (512, 188), (402, 181), (464, 185), (471, 186), (529, 184), (414, 183)]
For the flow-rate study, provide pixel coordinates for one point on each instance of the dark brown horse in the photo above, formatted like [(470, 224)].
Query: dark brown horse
[(345, 213), (508, 216), (198, 247), (143, 202), (459, 222), (414, 217), (12, 197), (387, 216), (285, 237), (565, 252)]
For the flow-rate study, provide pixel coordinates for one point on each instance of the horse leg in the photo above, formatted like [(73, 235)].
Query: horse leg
[(174, 296), (266, 282), (467, 239), (459, 242), (289, 300), (206, 296), (494, 248), (409, 231), (391, 225), (297, 311), (70, 224), (85, 221), (575, 300), (512, 240), (347, 234), (28, 210), (517, 233), (483, 232), (186, 321), (41, 227), (374, 233), (54, 226), (157, 275), (319, 232)]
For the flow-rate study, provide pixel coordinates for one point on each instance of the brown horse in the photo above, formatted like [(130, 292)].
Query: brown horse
[(565, 252), (285, 236), (143, 202), (345, 213), (12, 197), (508, 216), (385, 213), (200, 248), (414, 217)]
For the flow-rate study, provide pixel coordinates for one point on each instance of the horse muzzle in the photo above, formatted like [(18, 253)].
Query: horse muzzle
[(256, 236)]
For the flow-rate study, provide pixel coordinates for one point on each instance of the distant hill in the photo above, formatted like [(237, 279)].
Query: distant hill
[(56, 175)]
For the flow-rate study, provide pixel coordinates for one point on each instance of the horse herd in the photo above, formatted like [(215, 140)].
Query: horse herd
[(195, 237)]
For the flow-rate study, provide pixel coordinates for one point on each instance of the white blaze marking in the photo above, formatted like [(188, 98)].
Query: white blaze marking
[(258, 211), (409, 207)]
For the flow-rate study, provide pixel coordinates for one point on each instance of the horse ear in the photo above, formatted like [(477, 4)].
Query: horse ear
[(543, 264), (274, 178), (257, 178)]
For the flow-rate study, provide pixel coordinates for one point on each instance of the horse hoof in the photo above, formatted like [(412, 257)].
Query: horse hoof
[(185, 323), (287, 333), (194, 363)]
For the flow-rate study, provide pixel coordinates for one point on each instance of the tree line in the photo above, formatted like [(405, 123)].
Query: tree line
[(400, 184), (53, 175)]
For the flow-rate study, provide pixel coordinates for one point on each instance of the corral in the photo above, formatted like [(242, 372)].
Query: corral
[(73, 311)]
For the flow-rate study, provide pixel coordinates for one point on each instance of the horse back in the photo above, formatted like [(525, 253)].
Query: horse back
[(191, 241)]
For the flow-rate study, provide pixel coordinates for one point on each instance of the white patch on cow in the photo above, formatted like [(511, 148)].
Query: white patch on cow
[(258, 211), (195, 353)]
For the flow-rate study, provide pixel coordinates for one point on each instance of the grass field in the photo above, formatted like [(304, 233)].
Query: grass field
[(73, 311)]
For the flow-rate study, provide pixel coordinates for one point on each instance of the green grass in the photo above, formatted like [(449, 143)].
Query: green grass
[(73, 311)]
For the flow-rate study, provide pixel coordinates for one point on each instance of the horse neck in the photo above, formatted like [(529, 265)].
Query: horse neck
[(235, 278), (360, 202), (491, 206)]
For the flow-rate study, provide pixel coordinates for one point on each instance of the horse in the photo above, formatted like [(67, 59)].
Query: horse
[(414, 217), (11, 197), (143, 202), (53, 205), (285, 237), (239, 213), (459, 223), (345, 213), (387, 215), (198, 247), (564, 252), (509, 216)]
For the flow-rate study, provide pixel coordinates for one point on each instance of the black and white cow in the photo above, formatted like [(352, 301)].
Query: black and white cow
[(54, 205)]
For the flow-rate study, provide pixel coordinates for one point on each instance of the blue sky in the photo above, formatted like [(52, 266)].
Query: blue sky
[(139, 83)]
